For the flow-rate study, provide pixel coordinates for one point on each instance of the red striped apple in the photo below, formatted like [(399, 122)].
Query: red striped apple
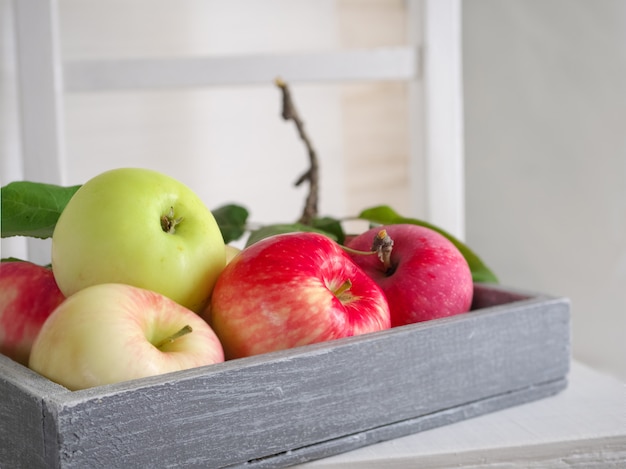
[(141, 228), (426, 276), (28, 295), (109, 333), (290, 290)]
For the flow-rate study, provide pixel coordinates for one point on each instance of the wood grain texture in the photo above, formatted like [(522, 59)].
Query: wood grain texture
[(326, 397), (582, 427), (408, 427), (22, 394)]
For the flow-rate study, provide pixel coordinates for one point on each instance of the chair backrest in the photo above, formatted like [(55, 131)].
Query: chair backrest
[(429, 62)]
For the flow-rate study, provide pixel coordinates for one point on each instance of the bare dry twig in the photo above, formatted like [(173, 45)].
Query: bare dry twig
[(289, 112)]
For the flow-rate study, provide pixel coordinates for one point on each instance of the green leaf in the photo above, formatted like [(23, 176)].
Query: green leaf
[(385, 215), (330, 226), (231, 220), (271, 230), (12, 259), (32, 208)]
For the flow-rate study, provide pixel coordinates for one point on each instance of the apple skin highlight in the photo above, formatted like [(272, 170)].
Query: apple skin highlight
[(279, 293), (429, 278)]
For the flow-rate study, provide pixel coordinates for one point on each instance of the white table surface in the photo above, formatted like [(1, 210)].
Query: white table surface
[(584, 426)]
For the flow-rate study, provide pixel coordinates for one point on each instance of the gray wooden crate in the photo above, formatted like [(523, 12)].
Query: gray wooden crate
[(283, 408)]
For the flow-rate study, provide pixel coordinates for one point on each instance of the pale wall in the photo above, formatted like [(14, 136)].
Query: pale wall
[(229, 143), (545, 109)]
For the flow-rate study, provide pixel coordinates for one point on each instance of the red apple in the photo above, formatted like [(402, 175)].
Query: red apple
[(290, 290), (28, 295), (108, 333), (427, 277)]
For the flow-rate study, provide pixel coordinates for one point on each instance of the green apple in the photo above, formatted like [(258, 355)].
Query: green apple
[(142, 228), (110, 333)]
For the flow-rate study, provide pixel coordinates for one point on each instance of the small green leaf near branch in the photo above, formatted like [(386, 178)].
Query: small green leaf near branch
[(232, 221), (270, 230)]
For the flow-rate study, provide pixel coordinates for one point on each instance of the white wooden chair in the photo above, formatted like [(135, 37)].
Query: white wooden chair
[(431, 63)]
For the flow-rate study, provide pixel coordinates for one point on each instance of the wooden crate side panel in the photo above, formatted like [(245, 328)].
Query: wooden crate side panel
[(250, 409), (22, 438), (406, 427), (21, 433)]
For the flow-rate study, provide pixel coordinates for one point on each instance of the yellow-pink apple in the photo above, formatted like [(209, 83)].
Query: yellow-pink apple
[(109, 333)]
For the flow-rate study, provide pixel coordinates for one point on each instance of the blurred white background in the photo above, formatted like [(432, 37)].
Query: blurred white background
[(545, 144)]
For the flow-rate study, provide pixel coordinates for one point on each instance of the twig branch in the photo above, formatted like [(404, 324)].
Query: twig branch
[(289, 112)]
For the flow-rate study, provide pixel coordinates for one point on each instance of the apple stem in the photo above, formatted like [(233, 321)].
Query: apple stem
[(343, 287), (168, 222), (356, 251), (176, 335), (383, 245)]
